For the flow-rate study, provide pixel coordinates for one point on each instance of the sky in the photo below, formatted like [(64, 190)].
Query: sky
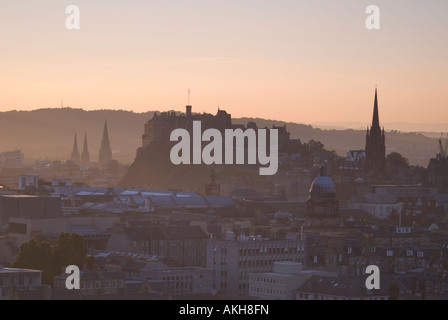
[(299, 61)]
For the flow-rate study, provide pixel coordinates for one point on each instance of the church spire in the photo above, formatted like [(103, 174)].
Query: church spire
[(376, 118), (105, 141), (105, 151), (375, 144), (85, 156), (75, 152)]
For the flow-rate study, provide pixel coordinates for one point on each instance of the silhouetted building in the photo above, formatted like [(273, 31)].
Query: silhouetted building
[(185, 245), (212, 188), (12, 159), (17, 206), (28, 182), (438, 173), (75, 153), (159, 128), (85, 156), (233, 261), (105, 151), (352, 164), (375, 144)]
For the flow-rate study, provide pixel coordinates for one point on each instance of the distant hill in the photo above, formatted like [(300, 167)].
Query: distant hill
[(50, 132)]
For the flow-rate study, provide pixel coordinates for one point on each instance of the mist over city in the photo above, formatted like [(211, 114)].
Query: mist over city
[(224, 157)]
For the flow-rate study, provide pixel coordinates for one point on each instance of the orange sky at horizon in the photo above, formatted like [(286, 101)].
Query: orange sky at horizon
[(296, 62)]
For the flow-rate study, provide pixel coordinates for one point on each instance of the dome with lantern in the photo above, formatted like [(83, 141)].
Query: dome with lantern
[(322, 188)]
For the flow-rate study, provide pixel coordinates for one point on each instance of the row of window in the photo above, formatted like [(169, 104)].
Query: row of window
[(107, 284), (278, 250), (373, 208), (262, 263), (268, 291), (306, 296), (181, 278), (409, 253), (269, 280), (18, 281), (164, 243)]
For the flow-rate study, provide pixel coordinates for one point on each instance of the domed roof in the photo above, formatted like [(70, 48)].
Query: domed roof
[(322, 188)]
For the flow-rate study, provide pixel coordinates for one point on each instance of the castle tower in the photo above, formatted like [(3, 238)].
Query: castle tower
[(105, 151), (85, 156), (75, 153), (375, 144)]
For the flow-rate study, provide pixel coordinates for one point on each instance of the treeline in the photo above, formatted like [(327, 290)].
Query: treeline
[(70, 249)]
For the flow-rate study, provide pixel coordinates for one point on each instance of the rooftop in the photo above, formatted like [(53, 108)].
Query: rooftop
[(16, 270)]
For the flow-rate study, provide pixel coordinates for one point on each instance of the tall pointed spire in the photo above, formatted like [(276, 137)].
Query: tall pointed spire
[(376, 118), (75, 152), (375, 144), (85, 156), (105, 151), (105, 140)]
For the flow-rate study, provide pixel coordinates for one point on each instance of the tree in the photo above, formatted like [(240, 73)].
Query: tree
[(315, 146), (70, 249), (396, 160), (90, 262), (36, 256)]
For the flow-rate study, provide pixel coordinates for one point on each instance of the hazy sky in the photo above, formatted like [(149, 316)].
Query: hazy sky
[(301, 61)]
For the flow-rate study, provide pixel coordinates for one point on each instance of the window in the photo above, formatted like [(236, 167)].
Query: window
[(107, 284)]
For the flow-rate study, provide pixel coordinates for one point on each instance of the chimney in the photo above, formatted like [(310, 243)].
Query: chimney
[(188, 113)]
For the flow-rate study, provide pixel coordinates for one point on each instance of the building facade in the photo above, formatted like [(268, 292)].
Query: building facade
[(10, 279), (233, 261)]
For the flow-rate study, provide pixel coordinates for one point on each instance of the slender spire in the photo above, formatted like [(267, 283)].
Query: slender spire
[(105, 155), (105, 142), (75, 152), (85, 146), (376, 118), (85, 156), (75, 144), (375, 144)]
